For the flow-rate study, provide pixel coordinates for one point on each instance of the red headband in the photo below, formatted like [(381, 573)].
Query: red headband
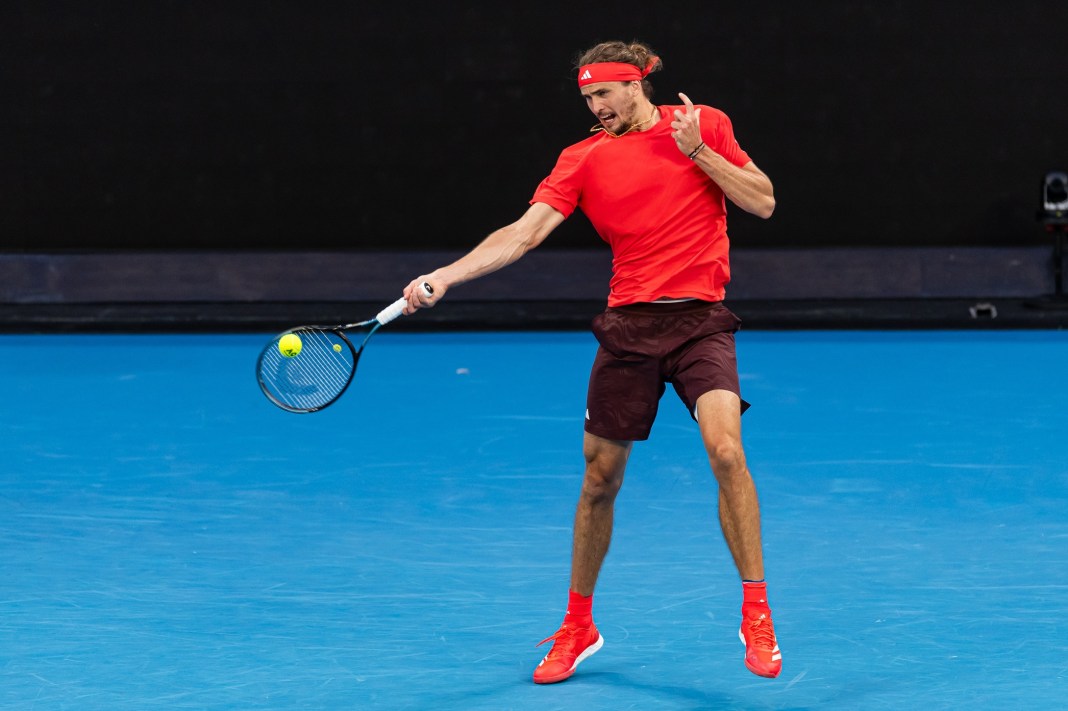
[(613, 71)]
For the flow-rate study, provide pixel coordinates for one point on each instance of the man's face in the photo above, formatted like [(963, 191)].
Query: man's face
[(615, 104)]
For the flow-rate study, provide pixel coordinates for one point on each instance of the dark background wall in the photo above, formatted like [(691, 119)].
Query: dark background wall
[(359, 126)]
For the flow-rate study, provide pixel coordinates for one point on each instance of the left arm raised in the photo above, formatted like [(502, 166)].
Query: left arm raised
[(747, 187)]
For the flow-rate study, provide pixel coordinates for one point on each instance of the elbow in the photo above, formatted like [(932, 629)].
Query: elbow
[(517, 241), (765, 209), (525, 238), (520, 240)]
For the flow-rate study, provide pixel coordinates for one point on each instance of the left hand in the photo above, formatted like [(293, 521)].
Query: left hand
[(687, 127)]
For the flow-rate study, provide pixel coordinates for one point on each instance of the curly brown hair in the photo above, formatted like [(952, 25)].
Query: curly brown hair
[(637, 53)]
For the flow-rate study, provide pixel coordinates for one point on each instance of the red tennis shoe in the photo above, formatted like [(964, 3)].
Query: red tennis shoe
[(762, 655), (571, 646)]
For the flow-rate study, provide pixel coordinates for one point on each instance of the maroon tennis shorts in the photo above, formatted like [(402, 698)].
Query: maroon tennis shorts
[(689, 344)]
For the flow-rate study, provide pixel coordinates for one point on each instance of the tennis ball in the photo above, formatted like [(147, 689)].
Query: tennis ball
[(289, 345), (337, 347)]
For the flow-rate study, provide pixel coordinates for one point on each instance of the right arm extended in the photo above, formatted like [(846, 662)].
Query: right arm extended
[(500, 249)]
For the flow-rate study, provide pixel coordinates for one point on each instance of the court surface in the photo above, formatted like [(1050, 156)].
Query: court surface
[(168, 539)]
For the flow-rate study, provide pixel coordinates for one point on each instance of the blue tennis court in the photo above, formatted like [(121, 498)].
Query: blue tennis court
[(171, 540)]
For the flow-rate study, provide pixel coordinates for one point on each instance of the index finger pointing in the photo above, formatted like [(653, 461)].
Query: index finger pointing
[(686, 100)]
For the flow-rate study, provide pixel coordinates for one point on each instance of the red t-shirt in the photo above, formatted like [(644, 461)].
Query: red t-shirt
[(664, 218)]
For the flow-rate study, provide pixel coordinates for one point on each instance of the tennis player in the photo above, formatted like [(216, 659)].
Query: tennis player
[(654, 181)]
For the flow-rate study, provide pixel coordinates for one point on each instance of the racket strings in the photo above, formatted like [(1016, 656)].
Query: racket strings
[(313, 378)]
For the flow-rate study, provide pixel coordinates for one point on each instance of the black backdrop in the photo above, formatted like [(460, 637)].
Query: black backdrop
[(190, 125)]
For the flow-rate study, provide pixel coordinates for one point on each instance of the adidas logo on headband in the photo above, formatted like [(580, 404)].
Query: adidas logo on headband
[(614, 71)]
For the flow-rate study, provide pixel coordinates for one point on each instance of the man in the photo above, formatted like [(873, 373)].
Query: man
[(654, 182)]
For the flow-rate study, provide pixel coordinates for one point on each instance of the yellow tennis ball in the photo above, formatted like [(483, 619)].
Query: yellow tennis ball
[(289, 345), (337, 347)]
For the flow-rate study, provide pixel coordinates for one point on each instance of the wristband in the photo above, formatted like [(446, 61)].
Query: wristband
[(700, 147)]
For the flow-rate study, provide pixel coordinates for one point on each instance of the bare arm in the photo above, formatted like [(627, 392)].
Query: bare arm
[(498, 250), (747, 187)]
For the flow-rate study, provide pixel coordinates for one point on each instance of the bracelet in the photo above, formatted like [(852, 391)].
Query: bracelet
[(700, 147)]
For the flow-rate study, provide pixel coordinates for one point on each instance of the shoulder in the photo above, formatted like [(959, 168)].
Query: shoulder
[(585, 145), (576, 153), (712, 115), (709, 114)]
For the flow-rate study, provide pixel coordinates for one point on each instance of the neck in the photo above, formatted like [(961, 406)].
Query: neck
[(651, 114)]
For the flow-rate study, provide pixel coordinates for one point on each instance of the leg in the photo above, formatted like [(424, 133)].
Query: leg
[(719, 417), (605, 461), (578, 637)]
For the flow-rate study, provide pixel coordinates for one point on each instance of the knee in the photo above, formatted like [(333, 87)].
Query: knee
[(727, 458), (602, 481)]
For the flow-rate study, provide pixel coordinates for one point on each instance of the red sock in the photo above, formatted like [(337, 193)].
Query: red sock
[(754, 594), (579, 609)]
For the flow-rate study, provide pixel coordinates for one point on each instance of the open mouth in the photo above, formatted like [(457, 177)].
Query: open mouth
[(607, 119)]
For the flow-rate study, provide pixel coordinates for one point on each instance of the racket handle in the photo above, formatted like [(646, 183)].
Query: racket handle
[(395, 309)]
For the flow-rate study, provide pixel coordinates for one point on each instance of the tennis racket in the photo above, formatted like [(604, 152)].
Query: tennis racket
[(308, 368)]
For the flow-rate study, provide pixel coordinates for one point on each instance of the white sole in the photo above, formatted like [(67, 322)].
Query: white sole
[(589, 651), (586, 654)]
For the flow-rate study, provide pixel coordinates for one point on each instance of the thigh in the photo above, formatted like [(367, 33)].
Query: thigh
[(708, 364), (623, 396), (718, 414), (719, 418)]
